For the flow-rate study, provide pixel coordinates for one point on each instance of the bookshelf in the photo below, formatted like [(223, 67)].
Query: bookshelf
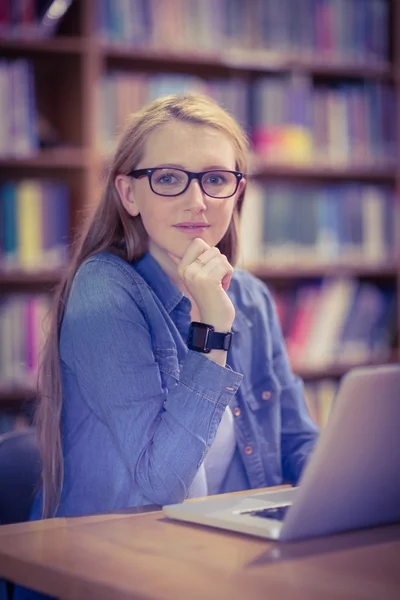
[(264, 170), (361, 270), (57, 158), (68, 69)]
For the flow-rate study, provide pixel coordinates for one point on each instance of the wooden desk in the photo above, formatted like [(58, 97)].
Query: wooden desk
[(145, 556)]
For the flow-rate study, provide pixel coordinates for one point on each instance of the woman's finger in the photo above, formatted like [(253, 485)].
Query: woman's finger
[(215, 270), (194, 250), (226, 281)]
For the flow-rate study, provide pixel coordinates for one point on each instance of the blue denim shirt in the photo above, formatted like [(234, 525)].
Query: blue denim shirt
[(140, 410)]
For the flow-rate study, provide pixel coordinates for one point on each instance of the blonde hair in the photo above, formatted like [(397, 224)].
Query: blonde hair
[(112, 229)]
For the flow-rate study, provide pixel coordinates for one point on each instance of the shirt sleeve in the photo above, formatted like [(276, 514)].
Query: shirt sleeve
[(161, 436), (298, 431)]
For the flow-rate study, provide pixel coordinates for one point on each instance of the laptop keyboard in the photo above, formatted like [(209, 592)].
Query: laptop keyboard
[(278, 513)]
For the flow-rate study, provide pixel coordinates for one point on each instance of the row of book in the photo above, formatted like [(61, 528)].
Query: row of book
[(324, 322), (337, 321), (34, 224), (289, 118), (281, 224), (344, 223), (18, 131), (23, 322), (355, 30), (294, 119)]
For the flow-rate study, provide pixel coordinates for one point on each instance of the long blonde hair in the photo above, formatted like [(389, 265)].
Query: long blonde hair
[(110, 228)]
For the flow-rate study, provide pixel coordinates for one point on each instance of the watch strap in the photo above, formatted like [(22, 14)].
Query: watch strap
[(219, 341), (203, 338)]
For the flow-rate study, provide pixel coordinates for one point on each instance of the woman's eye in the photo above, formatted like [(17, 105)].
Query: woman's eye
[(165, 179), (215, 179)]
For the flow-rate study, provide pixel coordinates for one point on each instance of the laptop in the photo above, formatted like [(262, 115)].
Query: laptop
[(351, 481)]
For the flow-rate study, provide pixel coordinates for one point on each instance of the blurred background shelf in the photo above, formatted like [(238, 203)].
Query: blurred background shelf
[(336, 371), (11, 280), (34, 45), (385, 270), (244, 61), (15, 398), (263, 169), (322, 112), (54, 158)]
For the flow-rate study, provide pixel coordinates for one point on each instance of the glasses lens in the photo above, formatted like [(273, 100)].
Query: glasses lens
[(219, 184), (168, 182)]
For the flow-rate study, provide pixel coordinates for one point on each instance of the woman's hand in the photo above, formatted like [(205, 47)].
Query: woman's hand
[(206, 274)]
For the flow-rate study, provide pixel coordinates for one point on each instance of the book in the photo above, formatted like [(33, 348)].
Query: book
[(34, 225)]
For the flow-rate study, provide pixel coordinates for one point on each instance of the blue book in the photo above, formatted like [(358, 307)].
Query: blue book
[(8, 199), (328, 222), (58, 197), (382, 334)]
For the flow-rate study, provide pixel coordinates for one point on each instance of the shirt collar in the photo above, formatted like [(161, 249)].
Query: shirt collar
[(158, 280)]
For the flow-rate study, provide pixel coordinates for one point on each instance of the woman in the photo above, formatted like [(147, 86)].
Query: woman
[(137, 405)]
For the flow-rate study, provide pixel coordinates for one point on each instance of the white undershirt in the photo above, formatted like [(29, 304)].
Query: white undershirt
[(209, 477)]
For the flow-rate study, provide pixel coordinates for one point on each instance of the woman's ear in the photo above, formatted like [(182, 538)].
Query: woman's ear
[(239, 191), (242, 185), (124, 187)]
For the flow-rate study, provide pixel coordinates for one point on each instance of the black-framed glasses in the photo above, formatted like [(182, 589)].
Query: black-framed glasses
[(166, 181)]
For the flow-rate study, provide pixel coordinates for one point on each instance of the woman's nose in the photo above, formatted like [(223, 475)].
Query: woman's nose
[(195, 197)]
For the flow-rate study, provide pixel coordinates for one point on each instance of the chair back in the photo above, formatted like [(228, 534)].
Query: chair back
[(20, 469)]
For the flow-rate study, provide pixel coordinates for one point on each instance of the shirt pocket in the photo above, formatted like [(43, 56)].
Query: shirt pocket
[(264, 394), (168, 364), (263, 402)]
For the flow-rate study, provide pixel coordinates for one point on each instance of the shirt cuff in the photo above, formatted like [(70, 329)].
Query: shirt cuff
[(208, 378)]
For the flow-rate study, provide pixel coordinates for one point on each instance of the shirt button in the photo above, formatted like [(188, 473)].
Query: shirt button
[(236, 411), (248, 450), (266, 395)]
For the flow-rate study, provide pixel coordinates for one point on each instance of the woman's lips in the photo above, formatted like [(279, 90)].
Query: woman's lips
[(192, 227)]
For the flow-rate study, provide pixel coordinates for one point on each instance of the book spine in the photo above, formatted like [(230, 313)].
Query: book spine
[(29, 224)]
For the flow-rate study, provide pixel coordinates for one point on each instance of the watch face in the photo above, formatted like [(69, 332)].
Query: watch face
[(198, 337)]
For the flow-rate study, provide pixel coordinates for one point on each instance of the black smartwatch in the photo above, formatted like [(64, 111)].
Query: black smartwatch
[(203, 338)]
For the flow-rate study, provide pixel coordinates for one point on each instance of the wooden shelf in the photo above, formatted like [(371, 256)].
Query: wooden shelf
[(388, 270), (337, 371), (16, 394), (55, 158), (263, 169), (259, 61), (10, 280), (243, 60), (19, 278), (240, 60), (37, 45), (337, 68)]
